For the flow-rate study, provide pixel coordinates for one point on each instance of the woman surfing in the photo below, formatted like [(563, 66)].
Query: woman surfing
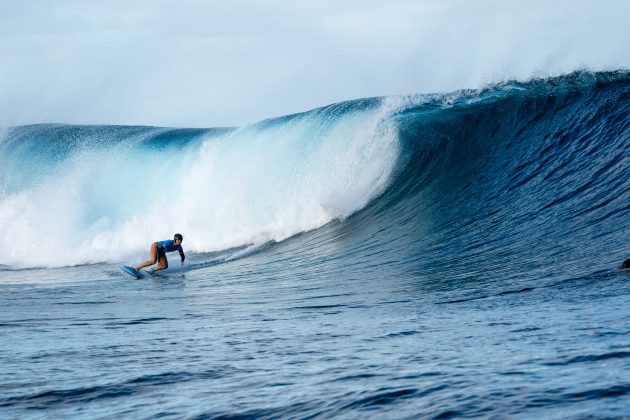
[(157, 254)]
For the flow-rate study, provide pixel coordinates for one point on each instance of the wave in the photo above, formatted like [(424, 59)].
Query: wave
[(511, 176)]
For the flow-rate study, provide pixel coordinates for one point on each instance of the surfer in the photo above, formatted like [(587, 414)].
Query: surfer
[(625, 265), (158, 252)]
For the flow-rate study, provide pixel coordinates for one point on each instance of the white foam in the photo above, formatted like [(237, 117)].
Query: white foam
[(262, 182)]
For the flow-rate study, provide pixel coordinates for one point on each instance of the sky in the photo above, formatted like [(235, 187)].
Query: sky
[(193, 63)]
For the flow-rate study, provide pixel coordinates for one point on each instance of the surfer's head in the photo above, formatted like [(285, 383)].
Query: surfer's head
[(178, 238), (625, 265)]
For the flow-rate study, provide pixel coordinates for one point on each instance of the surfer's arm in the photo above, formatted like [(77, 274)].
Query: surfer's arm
[(181, 254)]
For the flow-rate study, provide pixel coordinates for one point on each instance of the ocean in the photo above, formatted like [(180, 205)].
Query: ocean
[(423, 256)]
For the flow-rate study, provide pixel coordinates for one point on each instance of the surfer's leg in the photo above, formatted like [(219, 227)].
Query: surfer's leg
[(162, 262), (153, 254)]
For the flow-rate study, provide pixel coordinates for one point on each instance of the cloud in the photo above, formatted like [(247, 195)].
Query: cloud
[(204, 63)]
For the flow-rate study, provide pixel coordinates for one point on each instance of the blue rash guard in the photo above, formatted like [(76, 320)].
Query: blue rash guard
[(169, 246)]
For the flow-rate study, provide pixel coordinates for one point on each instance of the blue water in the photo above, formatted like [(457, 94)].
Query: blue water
[(429, 256)]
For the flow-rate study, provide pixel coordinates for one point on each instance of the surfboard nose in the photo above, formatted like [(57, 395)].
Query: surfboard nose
[(131, 271)]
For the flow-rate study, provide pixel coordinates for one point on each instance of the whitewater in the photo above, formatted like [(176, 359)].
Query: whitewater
[(108, 189), (438, 255)]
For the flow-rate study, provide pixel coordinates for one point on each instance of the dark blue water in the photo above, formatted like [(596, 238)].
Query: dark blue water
[(481, 280)]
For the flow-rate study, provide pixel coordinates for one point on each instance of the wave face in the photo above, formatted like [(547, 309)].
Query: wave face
[(509, 182), (503, 179)]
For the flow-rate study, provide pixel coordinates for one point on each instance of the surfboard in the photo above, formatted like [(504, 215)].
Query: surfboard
[(131, 271)]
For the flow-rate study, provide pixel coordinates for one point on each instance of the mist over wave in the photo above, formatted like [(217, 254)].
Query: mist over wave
[(199, 64)]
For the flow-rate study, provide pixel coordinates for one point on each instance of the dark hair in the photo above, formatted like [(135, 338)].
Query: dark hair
[(626, 264), (179, 236)]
